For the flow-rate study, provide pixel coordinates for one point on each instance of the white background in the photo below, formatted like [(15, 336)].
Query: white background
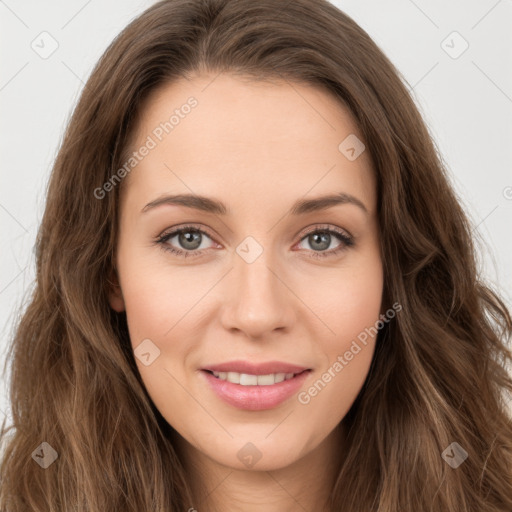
[(466, 101)]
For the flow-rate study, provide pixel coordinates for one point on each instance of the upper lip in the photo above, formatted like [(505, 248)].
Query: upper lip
[(247, 367)]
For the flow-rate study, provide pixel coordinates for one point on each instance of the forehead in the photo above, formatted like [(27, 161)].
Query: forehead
[(247, 136)]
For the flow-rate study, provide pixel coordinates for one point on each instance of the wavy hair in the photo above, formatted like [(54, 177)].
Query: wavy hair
[(439, 372)]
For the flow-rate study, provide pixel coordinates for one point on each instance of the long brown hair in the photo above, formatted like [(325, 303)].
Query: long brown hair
[(439, 371)]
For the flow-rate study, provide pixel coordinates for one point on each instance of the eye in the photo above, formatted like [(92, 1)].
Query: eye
[(320, 238), (191, 238)]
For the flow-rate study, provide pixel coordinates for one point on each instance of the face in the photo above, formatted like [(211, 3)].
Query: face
[(265, 287)]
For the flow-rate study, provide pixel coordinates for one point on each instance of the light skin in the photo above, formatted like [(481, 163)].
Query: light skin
[(257, 147)]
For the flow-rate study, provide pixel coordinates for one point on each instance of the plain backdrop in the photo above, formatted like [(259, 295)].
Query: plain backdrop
[(455, 57)]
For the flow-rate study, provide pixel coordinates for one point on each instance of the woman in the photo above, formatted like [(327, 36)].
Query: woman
[(256, 289)]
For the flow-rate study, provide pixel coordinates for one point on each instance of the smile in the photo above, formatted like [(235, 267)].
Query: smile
[(254, 392)]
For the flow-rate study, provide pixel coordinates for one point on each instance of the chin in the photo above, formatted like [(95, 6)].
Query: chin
[(255, 453)]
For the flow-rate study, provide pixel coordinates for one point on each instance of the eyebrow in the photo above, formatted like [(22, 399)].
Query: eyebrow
[(210, 205)]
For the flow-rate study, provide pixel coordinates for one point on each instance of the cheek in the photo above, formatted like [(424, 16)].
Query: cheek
[(157, 301), (347, 300), (157, 297)]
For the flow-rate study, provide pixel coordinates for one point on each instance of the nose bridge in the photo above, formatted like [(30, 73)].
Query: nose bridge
[(259, 301)]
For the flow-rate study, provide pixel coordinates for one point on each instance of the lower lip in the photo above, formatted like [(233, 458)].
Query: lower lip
[(255, 398)]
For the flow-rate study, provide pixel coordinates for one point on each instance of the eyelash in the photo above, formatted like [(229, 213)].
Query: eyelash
[(347, 241)]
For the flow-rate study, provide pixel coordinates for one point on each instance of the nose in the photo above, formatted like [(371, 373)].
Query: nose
[(258, 300)]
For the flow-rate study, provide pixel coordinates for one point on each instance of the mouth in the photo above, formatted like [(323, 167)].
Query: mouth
[(254, 391)]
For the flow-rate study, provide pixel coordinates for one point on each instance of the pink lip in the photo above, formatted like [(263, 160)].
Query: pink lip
[(255, 398), (256, 369)]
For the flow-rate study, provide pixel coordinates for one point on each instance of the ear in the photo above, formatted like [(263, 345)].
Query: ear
[(115, 295)]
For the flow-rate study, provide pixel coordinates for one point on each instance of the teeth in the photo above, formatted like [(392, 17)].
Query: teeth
[(245, 379), (279, 377), (233, 377), (248, 380)]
